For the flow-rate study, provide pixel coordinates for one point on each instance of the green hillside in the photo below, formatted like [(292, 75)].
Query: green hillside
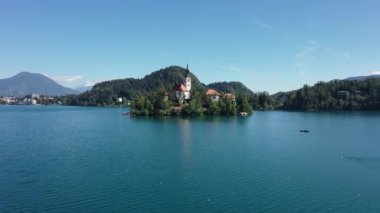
[(106, 93), (333, 95), (234, 87)]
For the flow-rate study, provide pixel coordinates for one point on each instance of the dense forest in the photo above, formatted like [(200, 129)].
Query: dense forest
[(156, 103), (233, 87), (259, 100), (108, 92), (145, 94), (333, 95)]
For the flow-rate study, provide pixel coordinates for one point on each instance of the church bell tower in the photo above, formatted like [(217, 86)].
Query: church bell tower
[(188, 78)]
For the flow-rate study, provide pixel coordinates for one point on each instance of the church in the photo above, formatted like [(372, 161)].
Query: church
[(182, 91)]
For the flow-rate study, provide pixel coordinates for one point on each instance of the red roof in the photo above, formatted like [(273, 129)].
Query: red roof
[(212, 92), (180, 87)]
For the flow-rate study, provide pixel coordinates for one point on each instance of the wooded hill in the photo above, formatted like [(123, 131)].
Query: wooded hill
[(107, 93), (354, 93), (363, 94), (233, 87), (333, 95)]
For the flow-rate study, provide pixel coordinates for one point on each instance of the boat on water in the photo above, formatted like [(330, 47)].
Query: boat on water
[(243, 114), (304, 131)]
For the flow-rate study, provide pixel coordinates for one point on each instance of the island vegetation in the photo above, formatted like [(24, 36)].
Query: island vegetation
[(157, 103), (153, 95)]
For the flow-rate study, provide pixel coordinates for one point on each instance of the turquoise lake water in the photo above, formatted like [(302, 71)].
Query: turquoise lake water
[(66, 159)]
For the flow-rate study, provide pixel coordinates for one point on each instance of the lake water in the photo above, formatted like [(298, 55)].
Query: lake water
[(93, 159)]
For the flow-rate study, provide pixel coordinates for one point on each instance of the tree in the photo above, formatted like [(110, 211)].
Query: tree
[(243, 104), (193, 108)]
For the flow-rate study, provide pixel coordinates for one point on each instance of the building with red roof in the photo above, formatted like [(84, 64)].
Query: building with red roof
[(182, 91)]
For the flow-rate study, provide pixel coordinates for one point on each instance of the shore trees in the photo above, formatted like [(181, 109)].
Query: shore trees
[(156, 103), (334, 95)]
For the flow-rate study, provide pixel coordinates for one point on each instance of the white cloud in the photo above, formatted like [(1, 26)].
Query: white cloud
[(306, 53), (74, 81), (247, 73), (237, 69), (375, 72), (234, 69), (306, 57), (337, 53), (272, 28), (68, 79), (90, 83)]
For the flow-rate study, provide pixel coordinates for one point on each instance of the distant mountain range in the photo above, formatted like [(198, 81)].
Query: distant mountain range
[(362, 78), (26, 83), (84, 88)]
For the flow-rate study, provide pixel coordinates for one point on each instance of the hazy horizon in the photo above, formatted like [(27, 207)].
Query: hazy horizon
[(90, 84), (269, 46)]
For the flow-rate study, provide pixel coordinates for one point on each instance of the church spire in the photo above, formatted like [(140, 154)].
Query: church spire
[(187, 70)]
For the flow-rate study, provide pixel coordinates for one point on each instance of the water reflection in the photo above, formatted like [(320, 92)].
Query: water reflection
[(185, 140)]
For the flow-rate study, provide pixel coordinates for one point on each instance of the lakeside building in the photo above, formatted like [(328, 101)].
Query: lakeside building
[(215, 95), (32, 99), (230, 96), (9, 99), (182, 91), (29, 101)]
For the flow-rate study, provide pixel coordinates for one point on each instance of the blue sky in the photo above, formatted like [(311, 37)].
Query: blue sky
[(272, 45)]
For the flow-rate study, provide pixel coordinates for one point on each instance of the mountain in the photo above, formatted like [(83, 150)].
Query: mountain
[(234, 87), (26, 83), (83, 88), (362, 78)]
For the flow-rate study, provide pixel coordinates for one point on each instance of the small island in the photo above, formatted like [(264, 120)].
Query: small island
[(183, 100)]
